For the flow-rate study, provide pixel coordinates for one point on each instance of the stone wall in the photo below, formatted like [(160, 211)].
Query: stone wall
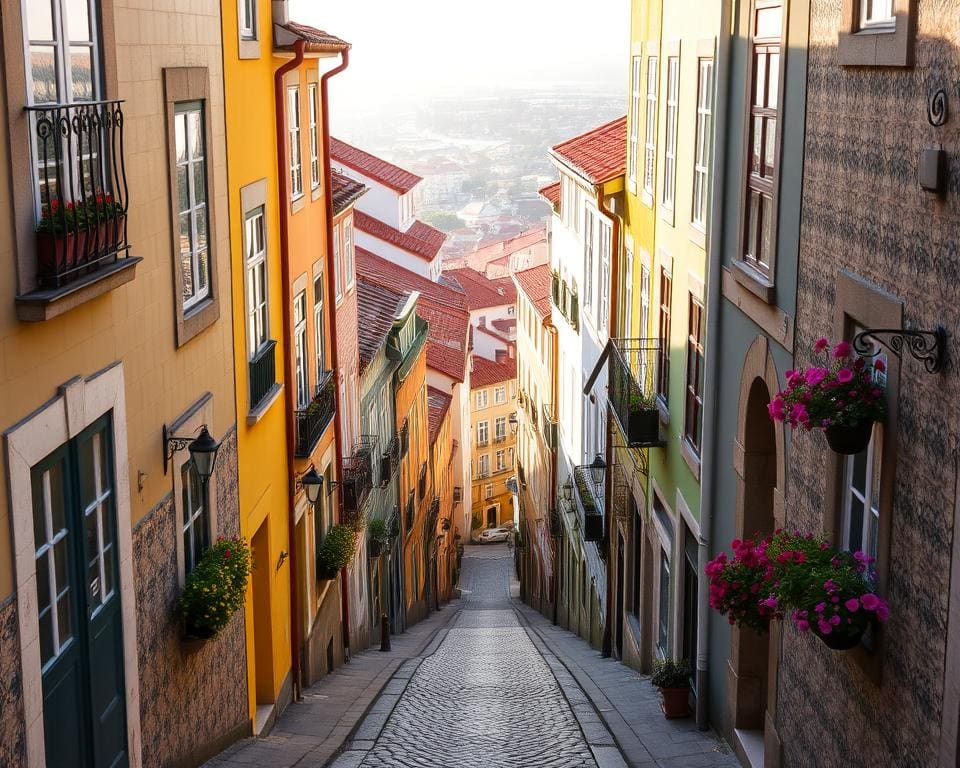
[(193, 700), (863, 212), (12, 736)]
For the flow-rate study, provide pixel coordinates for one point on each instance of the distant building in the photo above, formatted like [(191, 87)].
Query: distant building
[(488, 301), (478, 214)]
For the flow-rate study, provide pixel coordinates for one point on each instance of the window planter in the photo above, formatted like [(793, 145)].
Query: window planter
[(849, 439), (672, 678), (643, 425)]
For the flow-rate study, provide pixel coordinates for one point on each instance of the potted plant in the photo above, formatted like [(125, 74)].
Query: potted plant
[(336, 551), (108, 216), (643, 418), (842, 398), (61, 238), (379, 538), (215, 589), (738, 586), (672, 677)]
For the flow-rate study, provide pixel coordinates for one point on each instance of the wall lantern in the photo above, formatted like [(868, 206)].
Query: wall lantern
[(312, 484), (597, 469), (514, 423), (203, 450), (568, 490)]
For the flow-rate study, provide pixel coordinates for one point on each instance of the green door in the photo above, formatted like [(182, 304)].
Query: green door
[(81, 633)]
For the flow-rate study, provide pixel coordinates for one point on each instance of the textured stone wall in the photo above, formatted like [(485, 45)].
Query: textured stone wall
[(12, 737), (190, 699), (863, 212)]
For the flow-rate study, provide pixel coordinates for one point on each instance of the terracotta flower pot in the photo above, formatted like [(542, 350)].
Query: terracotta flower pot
[(676, 702), (848, 440), (58, 253)]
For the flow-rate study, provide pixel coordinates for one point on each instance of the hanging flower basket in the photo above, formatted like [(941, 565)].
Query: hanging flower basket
[(842, 398), (215, 589)]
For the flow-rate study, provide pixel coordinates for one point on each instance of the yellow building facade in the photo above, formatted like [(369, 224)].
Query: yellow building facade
[(493, 401)]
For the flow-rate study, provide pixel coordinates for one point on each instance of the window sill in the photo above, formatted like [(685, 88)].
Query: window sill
[(646, 197), (886, 46), (197, 319), (666, 213), (249, 48), (663, 410), (297, 204), (48, 303), (754, 281), (316, 193), (690, 458), (260, 410), (697, 235)]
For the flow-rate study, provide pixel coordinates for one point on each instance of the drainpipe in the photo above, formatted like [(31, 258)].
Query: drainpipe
[(608, 489), (331, 291), (711, 364), (288, 375)]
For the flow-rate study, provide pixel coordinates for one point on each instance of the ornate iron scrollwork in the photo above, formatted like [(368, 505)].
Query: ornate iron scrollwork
[(937, 108), (926, 346)]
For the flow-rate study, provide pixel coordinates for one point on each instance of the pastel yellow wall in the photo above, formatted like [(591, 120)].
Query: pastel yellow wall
[(501, 495)]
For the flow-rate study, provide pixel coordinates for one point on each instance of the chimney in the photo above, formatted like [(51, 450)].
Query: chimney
[(281, 13)]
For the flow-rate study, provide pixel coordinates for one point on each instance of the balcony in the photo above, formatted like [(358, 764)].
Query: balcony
[(357, 479), (589, 504), (81, 185), (313, 420), (500, 437), (549, 428), (262, 374), (565, 299), (457, 494), (633, 375), (390, 460), (482, 474)]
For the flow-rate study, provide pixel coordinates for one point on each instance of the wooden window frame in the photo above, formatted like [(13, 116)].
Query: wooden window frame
[(693, 405), (664, 327), (703, 143), (667, 204), (651, 110), (880, 46), (636, 103)]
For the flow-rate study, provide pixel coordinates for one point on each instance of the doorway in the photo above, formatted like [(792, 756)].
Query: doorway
[(491, 517), (262, 624), (618, 607)]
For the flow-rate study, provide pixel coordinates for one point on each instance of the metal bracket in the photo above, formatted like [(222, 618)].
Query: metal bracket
[(929, 347), (172, 444)]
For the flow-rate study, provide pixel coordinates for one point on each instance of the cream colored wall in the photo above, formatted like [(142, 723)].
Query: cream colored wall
[(134, 323), (501, 495)]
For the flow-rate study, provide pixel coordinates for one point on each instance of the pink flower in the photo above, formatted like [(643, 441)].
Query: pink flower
[(820, 607), (879, 365), (824, 627), (870, 601), (852, 605), (821, 344), (844, 375), (883, 611), (770, 602), (814, 376), (842, 350), (803, 625), (834, 620)]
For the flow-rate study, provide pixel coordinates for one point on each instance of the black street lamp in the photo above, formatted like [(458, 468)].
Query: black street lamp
[(567, 488), (203, 450), (312, 484), (597, 468)]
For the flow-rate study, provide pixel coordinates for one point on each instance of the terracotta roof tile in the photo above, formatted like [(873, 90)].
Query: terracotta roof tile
[(375, 269), (486, 372), (507, 324), (378, 306), (388, 174), (420, 239), (314, 37), (447, 338), (438, 403), (482, 291), (535, 283), (599, 154), (551, 193), (345, 191)]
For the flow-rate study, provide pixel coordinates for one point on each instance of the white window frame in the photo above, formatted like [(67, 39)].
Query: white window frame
[(669, 192), (63, 39), (318, 332), (500, 428), (483, 465), (314, 136), (337, 267), (701, 161), (650, 128), (293, 136), (255, 252), (348, 252), (872, 23), (633, 151), (499, 395), (301, 373), (247, 19), (195, 515), (589, 229), (488, 491), (482, 399), (196, 209), (627, 324), (605, 244), (483, 432), (501, 457)]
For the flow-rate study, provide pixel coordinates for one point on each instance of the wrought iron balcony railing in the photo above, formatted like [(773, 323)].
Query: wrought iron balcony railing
[(499, 438), (549, 428), (589, 504), (408, 512), (81, 184), (633, 368), (404, 439), (313, 420), (357, 478), (262, 373)]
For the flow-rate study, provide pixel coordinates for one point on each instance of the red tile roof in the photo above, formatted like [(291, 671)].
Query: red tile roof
[(486, 372), (438, 403), (378, 270), (388, 174), (316, 39), (378, 306), (551, 193), (599, 154), (345, 191), (482, 291), (447, 338), (421, 239), (536, 284)]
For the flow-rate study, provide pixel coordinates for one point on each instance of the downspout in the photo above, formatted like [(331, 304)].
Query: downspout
[(710, 403), (288, 375), (554, 394), (331, 291), (608, 485)]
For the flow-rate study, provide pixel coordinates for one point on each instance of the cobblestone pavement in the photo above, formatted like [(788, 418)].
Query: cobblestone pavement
[(485, 698)]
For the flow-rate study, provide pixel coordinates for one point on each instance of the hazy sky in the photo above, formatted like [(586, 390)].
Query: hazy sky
[(419, 48)]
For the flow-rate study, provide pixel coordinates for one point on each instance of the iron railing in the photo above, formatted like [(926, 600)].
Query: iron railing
[(312, 421), (81, 185), (633, 367), (589, 504), (357, 478), (549, 427), (262, 373)]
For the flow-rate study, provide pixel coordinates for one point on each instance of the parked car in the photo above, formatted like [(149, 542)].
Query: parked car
[(494, 535)]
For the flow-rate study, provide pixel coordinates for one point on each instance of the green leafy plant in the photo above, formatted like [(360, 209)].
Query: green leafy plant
[(337, 549), (378, 531), (356, 520), (640, 401), (57, 218), (215, 589), (671, 673), (476, 521)]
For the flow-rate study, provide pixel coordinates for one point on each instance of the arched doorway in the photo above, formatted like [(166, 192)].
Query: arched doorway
[(760, 468)]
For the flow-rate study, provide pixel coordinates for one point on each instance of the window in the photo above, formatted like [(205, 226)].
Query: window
[(258, 320), (606, 234), (318, 334), (483, 432), (670, 151), (758, 239), (690, 587), (192, 202), (481, 398), (501, 460), (415, 570), (876, 14), (293, 129), (500, 395), (638, 543), (666, 295), (314, 136), (626, 324), (587, 258), (663, 606), (348, 251), (633, 152), (300, 349), (488, 491), (196, 525), (337, 268), (248, 19), (484, 465), (650, 128), (59, 71), (693, 421), (701, 162), (500, 428), (644, 300)]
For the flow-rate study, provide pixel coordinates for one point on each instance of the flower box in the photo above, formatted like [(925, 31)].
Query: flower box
[(643, 425), (59, 253)]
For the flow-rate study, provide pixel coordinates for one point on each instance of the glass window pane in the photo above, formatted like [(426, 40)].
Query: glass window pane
[(180, 136), (39, 20), (195, 132), (766, 246), (78, 19), (199, 182), (60, 563), (768, 22), (757, 141), (183, 189), (81, 73), (201, 227), (769, 146), (85, 469), (754, 225), (773, 86), (43, 581), (63, 617), (760, 80), (203, 270), (108, 567), (43, 74), (46, 637)]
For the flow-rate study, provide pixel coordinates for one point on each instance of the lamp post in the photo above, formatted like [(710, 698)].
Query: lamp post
[(597, 469), (312, 484), (567, 489)]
